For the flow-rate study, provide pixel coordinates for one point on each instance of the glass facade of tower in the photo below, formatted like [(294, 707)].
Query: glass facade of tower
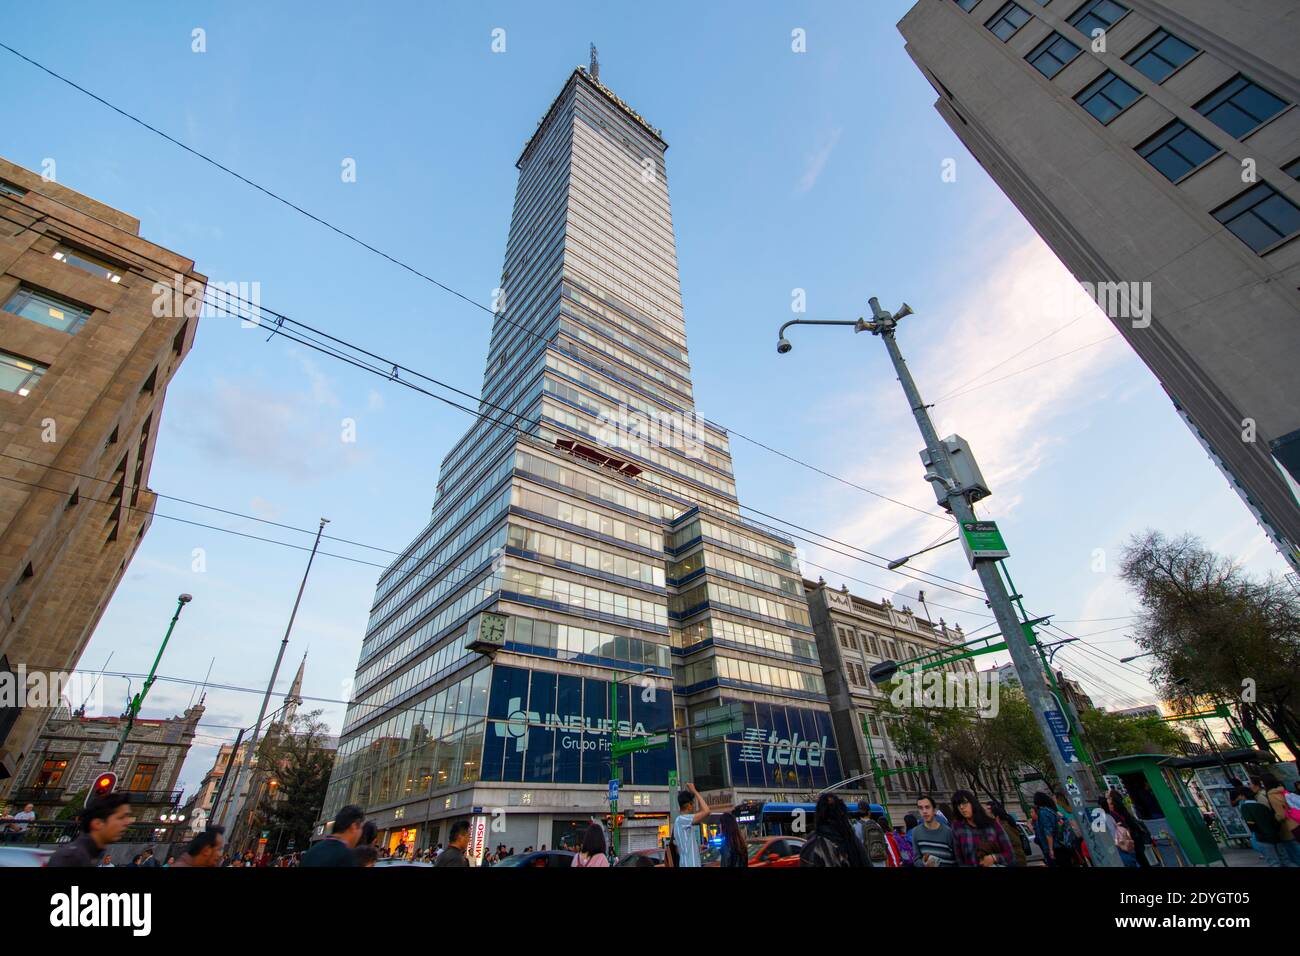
[(588, 522)]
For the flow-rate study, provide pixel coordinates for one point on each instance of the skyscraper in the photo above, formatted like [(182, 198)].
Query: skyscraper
[(1155, 147), (586, 567)]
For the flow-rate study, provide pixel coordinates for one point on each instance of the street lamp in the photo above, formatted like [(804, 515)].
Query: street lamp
[(899, 562), (1125, 660)]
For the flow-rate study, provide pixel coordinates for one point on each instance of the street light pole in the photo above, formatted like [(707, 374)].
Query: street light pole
[(1072, 774), (275, 671), (137, 701)]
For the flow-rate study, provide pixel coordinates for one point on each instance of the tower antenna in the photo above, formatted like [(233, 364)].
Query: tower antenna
[(594, 69)]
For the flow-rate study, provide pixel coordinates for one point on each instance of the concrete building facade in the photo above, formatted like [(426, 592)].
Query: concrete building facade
[(85, 358), (586, 570), (1155, 147)]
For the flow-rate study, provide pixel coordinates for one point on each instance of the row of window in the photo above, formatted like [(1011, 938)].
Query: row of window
[(584, 555), (594, 521), (573, 594), (1261, 217), (737, 632), (749, 672), (568, 641)]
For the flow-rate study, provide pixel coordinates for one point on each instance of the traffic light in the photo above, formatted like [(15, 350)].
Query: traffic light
[(103, 784)]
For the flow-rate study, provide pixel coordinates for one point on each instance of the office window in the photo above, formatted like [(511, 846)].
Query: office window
[(1159, 55), (87, 262), (1097, 15), (1292, 169), (968, 5), (47, 310), (1261, 217), (142, 779), (1176, 150), (9, 189), (1007, 21), (1051, 56), (1107, 97), (1240, 106), (18, 375)]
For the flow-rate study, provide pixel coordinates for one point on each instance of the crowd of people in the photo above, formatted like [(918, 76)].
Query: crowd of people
[(963, 832)]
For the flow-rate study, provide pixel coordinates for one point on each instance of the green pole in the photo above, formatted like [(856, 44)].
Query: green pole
[(138, 700)]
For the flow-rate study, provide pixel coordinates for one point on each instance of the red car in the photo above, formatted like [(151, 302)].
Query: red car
[(771, 851)]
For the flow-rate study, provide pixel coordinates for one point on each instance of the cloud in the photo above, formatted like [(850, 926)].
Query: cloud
[(815, 161)]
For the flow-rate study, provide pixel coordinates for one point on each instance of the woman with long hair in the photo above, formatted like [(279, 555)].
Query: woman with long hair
[(735, 851), (1048, 830), (1137, 831), (979, 840), (592, 851), (833, 842)]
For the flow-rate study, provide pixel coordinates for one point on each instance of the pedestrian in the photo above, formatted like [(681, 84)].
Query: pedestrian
[(1288, 819), (1048, 831), (20, 821), (457, 841), (1263, 827), (365, 855), (906, 853), (978, 838), (734, 851), (1137, 831), (932, 839), (204, 850), (871, 835), (833, 842), (692, 810), (336, 849), (1019, 844), (1075, 846), (171, 860), (102, 822), (592, 852), (106, 861)]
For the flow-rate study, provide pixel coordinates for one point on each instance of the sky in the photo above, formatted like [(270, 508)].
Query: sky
[(820, 171)]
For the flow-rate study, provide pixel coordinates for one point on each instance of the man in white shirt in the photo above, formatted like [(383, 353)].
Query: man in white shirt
[(692, 811)]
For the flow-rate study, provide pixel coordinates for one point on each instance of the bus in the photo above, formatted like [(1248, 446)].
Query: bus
[(759, 819)]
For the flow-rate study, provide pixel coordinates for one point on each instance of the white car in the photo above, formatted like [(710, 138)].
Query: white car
[(23, 856)]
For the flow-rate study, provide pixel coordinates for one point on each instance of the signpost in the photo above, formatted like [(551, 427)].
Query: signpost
[(982, 539)]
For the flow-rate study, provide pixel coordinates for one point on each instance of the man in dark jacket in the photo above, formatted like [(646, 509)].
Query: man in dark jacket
[(103, 821), (833, 842), (336, 849), (454, 855)]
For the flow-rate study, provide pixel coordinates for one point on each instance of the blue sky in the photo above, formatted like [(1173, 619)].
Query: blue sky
[(818, 171)]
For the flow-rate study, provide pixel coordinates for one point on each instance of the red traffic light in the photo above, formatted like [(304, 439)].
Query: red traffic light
[(103, 784)]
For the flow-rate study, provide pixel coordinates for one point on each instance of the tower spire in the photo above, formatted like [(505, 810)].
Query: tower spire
[(594, 69)]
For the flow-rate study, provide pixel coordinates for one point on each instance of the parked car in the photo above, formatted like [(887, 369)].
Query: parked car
[(766, 851), (23, 856), (1035, 855), (397, 861), (652, 857), (539, 858)]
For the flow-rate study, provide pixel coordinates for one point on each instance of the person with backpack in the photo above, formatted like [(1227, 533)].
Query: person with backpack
[(1138, 834), (872, 836), (906, 854), (1048, 831), (1020, 845), (1262, 825), (1288, 818), (833, 842), (978, 838)]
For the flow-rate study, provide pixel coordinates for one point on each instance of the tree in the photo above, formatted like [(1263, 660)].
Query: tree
[(295, 766), (1217, 634), (1113, 735)]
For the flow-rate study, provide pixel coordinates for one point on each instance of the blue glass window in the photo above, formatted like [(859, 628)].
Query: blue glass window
[(1240, 106), (1107, 97), (1007, 22), (1260, 217), (1176, 150), (1051, 56), (1159, 55), (1097, 15)]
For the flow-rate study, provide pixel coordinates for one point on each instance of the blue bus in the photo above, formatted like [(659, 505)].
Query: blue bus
[(759, 819)]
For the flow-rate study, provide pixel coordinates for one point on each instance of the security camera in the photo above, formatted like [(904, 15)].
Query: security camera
[(783, 346)]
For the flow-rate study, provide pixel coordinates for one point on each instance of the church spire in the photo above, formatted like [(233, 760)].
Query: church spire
[(293, 699)]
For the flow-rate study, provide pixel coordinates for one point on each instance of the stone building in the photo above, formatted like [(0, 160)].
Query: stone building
[(87, 347), (71, 750)]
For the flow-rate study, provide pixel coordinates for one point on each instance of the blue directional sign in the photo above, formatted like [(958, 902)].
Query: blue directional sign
[(1061, 731), (613, 791)]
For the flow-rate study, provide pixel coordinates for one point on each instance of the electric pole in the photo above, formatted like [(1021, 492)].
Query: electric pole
[(275, 671), (133, 711), (955, 498)]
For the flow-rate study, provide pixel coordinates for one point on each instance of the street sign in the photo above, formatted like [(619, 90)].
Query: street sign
[(620, 748), (716, 722), (982, 541), (613, 791), (1061, 732)]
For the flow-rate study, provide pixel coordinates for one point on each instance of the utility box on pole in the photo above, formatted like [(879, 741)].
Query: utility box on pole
[(966, 472)]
